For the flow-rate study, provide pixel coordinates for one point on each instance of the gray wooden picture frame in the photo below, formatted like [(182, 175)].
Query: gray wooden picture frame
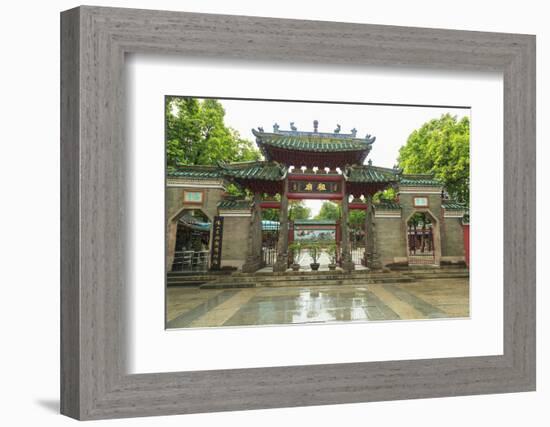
[(94, 41)]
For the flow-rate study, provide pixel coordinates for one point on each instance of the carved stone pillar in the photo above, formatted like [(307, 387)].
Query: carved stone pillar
[(254, 256), (371, 247), (347, 262), (281, 264)]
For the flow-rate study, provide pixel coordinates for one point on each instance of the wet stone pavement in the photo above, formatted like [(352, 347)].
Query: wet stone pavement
[(426, 299)]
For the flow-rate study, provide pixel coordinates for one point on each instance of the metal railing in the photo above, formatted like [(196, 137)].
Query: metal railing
[(269, 255), (190, 261), (358, 254), (421, 247)]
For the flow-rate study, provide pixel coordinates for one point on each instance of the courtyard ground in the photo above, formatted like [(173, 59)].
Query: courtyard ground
[(191, 307)]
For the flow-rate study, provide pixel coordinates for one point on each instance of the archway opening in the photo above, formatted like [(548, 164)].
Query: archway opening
[(420, 239), (192, 241), (270, 235)]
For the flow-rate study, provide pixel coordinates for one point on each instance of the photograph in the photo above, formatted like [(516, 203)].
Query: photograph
[(293, 212)]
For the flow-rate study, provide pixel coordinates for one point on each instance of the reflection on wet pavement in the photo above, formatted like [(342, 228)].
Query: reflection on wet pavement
[(426, 299)]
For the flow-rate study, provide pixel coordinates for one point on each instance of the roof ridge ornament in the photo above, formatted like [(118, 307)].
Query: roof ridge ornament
[(315, 125), (292, 127), (338, 128), (354, 132), (275, 127)]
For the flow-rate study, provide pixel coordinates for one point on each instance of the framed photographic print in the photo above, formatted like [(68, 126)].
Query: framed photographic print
[(261, 213)]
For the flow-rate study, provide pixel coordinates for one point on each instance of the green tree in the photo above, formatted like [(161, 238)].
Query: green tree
[(329, 210), (298, 210), (387, 194), (197, 135), (270, 214), (442, 147), (357, 218)]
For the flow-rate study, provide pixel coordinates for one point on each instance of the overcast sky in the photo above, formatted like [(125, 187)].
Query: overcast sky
[(391, 125)]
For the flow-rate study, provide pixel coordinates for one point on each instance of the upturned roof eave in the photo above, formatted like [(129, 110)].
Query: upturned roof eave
[(236, 171), (312, 142)]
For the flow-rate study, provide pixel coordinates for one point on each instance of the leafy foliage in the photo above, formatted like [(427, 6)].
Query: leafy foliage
[(298, 210), (314, 249), (388, 194), (331, 250), (329, 211), (357, 218), (270, 214), (442, 147), (197, 135), (296, 251), (419, 218)]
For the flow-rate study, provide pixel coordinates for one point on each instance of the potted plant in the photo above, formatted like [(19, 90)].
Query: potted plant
[(331, 252), (314, 250), (296, 248)]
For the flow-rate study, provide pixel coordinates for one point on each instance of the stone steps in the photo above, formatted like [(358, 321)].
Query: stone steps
[(446, 273), (309, 278), (179, 278), (305, 279)]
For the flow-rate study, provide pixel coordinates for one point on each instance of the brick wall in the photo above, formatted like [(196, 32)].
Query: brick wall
[(174, 200), (235, 240), (453, 241), (390, 240)]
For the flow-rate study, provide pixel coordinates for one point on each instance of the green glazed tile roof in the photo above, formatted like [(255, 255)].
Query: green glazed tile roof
[(267, 171), (312, 141), (452, 205), (389, 205), (194, 223), (420, 180), (369, 173), (196, 172), (234, 204)]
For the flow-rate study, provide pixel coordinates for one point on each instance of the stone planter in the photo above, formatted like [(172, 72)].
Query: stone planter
[(315, 266), (295, 267), (332, 267)]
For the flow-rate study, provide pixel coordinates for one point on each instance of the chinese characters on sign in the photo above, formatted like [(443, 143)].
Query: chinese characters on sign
[(421, 202), (217, 234), (192, 196), (314, 187)]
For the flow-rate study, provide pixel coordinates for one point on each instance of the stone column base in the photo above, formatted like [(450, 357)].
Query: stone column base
[(373, 262), (348, 266), (252, 265), (281, 265)]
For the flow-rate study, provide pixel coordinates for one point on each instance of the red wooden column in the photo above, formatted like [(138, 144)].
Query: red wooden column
[(347, 263), (338, 238), (254, 251), (281, 264)]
